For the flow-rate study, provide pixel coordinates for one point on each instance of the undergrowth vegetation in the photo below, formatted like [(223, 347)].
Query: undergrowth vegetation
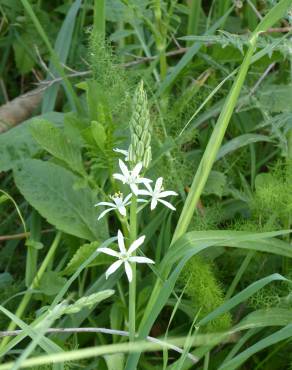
[(145, 184)]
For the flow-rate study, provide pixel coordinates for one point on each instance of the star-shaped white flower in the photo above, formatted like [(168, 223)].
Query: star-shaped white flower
[(124, 152), (119, 204), (131, 178), (125, 256), (157, 193)]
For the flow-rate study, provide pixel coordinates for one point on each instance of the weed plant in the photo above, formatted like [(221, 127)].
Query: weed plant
[(101, 267)]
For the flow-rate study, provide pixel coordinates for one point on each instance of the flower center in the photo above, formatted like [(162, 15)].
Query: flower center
[(124, 256)]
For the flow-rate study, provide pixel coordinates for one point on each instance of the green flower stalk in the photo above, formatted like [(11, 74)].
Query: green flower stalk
[(140, 148)]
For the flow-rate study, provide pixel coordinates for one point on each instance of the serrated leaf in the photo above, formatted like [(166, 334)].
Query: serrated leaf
[(81, 255), (50, 190), (56, 143), (276, 98), (88, 301), (5, 280), (98, 133), (215, 184), (263, 180), (17, 144), (51, 282), (24, 62)]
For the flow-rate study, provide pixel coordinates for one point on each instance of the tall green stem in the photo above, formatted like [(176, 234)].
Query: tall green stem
[(160, 39), (26, 298), (132, 285)]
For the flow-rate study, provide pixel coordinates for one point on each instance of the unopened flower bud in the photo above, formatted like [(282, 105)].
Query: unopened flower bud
[(147, 158)]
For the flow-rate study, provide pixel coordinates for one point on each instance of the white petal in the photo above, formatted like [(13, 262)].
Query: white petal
[(128, 197), (167, 204), (124, 152), (109, 252), (143, 180), (164, 194), (121, 242), (141, 260), (134, 189), (137, 169), (153, 204), (149, 187), (122, 210), (128, 270), (104, 204), (144, 192), (136, 244), (113, 268), (120, 177), (124, 168), (139, 200), (104, 213), (158, 185)]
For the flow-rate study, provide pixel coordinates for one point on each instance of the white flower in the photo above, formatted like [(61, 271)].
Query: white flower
[(124, 152), (157, 193), (124, 256), (119, 204), (131, 177)]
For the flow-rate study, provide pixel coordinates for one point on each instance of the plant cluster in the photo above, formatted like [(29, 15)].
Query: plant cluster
[(100, 265)]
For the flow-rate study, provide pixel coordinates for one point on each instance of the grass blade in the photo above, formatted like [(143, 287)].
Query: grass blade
[(62, 48)]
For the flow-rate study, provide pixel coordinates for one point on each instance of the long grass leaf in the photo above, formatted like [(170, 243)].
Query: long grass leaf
[(62, 48)]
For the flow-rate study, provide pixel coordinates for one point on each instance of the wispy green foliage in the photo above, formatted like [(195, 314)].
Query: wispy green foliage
[(204, 292)]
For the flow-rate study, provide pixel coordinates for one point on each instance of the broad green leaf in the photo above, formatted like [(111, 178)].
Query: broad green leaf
[(215, 184), (98, 133), (51, 283), (81, 255), (88, 301), (5, 280), (276, 98), (264, 180), (56, 143), (50, 190), (18, 144), (24, 62)]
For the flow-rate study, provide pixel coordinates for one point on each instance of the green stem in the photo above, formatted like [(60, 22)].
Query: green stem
[(132, 285), (26, 298), (160, 39), (239, 274), (99, 18)]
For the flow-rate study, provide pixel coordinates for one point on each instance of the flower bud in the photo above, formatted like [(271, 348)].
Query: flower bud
[(140, 129), (140, 150), (147, 158)]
